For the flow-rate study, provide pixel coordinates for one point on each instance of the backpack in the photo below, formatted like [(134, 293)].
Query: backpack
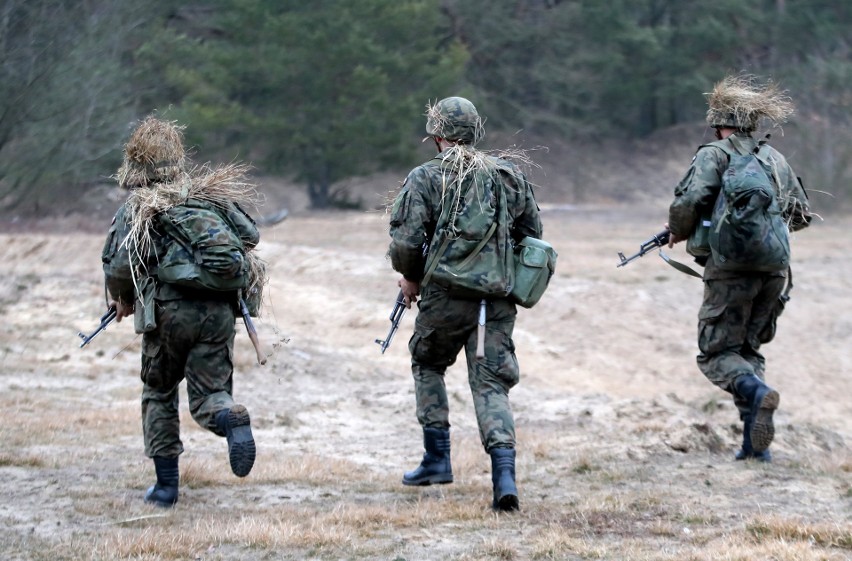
[(747, 229), (470, 254), (202, 249)]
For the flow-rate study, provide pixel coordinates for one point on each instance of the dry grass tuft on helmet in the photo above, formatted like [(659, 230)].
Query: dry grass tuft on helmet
[(455, 119), (740, 102), (153, 154)]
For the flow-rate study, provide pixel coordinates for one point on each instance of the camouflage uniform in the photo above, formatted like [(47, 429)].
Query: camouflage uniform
[(446, 324), (740, 309), (193, 339)]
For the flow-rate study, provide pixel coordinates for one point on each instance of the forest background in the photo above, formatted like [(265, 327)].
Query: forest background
[(318, 93)]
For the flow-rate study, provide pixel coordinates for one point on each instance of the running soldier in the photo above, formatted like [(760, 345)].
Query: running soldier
[(435, 202), (187, 325), (744, 293)]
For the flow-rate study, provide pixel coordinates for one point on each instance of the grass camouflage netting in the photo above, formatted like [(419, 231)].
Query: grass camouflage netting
[(153, 154), (747, 101), (155, 171)]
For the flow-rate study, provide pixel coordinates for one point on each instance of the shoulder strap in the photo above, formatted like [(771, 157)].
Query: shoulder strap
[(726, 145)]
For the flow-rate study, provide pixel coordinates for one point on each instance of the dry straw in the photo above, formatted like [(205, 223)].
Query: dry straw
[(463, 161), (743, 98), (155, 170)]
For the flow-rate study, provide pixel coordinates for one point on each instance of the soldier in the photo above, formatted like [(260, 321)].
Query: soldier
[(188, 332), (447, 323), (740, 307)]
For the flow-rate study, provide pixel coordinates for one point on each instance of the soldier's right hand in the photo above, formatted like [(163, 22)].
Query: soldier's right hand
[(122, 310), (410, 291)]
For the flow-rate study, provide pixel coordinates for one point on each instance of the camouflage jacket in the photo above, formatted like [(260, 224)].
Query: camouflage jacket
[(417, 208), (696, 193)]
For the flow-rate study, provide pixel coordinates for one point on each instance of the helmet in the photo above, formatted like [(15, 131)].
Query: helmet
[(454, 118), (153, 154), (739, 102), (718, 119)]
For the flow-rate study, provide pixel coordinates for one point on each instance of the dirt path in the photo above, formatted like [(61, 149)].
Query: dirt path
[(625, 451)]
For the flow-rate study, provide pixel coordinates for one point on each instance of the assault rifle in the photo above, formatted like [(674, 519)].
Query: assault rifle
[(106, 319), (658, 240), (395, 316)]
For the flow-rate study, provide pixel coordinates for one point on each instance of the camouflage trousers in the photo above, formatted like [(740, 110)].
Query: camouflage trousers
[(194, 339), (737, 316), (443, 327)]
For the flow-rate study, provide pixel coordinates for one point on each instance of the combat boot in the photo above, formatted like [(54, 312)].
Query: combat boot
[(435, 467), (164, 492), (236, 426), (747, 452), (763, 403), (503, 479)]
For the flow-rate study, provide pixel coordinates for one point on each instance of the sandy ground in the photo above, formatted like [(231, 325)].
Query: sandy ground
[(625, 450)]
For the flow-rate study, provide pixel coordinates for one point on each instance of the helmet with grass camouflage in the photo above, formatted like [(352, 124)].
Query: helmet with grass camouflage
[(456, 119), (153, 154), (739, 102)]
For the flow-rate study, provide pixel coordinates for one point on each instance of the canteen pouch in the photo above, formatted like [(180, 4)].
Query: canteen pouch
[(535, 263), (144, 316)]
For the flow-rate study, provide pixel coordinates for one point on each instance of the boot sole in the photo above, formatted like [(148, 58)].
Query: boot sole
[(241, 447), (508, 503), (440, 479), (763, 429)]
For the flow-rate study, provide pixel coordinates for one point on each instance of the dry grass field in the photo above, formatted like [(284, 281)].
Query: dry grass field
[(625, 450)]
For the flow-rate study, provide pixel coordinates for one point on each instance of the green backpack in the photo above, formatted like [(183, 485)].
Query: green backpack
[(202, 249), (474, 256), (471, 252), (747, 230)]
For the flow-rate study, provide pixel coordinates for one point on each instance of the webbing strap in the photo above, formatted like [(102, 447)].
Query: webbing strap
[(785, 296), (434, 257), (680, 266)]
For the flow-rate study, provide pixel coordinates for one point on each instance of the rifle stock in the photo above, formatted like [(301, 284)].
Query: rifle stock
[(252, 332)]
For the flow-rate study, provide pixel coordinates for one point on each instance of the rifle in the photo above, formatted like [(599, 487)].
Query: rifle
[(658, 240), (252, 332), (106, 319), (395, 316)]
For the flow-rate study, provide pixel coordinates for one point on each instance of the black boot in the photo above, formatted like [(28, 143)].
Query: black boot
[(236, 425), (164, 492), (764, 401), (435, 467), (503, 479), (747, 452)]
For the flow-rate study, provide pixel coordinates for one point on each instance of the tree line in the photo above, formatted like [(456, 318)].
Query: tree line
[(330, 89)]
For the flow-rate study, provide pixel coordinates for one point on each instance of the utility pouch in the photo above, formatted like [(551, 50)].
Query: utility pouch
[(144, 316), (535, 263), (698, 243)]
